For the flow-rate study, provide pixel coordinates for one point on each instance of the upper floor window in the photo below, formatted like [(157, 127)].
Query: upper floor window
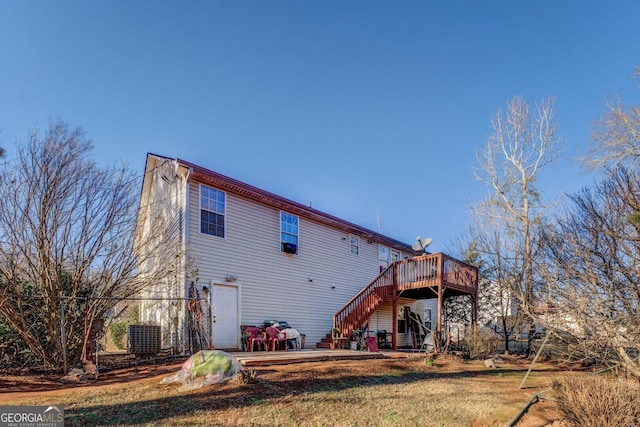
[(289, 233), (383, 257), (354, 244), (212, 211)]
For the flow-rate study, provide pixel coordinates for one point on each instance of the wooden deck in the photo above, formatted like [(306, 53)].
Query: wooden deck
[(423, 277)]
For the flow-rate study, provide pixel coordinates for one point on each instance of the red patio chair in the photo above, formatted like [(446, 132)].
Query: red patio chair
[(255, 335), (273, 338)]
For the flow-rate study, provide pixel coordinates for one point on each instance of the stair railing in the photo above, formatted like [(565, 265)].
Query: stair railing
[(431, 270), (361, 306)]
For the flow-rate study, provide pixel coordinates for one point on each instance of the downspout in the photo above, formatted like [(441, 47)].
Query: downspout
[(184, 226), (185, 230), (535, 398)]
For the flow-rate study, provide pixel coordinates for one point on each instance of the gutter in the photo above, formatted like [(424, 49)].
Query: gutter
[(534, 399)]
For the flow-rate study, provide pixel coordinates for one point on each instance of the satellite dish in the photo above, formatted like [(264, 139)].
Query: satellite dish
[(421, 243)]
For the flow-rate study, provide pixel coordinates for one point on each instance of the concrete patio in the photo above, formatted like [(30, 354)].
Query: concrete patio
[(262, 358)]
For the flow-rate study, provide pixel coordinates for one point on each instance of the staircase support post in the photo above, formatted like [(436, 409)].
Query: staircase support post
[(438, 337), (475, 318), (394, 318), (438, 340)]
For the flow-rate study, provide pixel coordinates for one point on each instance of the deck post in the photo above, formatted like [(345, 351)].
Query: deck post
[(438, 340), (475, 317), (394, 311), (438, 337)]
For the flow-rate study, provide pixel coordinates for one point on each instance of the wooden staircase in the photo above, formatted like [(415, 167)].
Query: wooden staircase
[(436, 271), (358, 310), (325, 342)]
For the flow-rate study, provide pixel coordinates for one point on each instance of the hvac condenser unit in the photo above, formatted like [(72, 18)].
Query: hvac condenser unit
[(144, 339)]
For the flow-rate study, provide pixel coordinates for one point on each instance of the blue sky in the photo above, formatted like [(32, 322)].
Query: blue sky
[(372, 111)]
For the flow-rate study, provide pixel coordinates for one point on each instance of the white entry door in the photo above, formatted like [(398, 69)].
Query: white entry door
[(226, 326)]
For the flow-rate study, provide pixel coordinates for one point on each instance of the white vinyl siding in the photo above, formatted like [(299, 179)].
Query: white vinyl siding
[(381, 319), (276, 287), (271, 286), (162, 207)]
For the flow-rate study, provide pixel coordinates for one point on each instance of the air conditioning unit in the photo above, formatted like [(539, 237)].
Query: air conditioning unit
[(144, 339), (290, 248)]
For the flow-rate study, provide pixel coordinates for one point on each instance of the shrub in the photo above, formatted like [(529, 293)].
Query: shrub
[(598, 402), (118, 331), (483, 344)]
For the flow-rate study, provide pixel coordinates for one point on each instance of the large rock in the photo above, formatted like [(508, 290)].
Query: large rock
[(490, 363)]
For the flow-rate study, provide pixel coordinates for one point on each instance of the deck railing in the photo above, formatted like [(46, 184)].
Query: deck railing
[(432, 270), (459, 275), (436, 270)]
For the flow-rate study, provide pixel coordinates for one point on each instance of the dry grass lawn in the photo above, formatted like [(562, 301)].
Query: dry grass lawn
[(380, 392)]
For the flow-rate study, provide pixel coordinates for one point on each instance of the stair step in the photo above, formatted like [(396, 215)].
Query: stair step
[(325, 342)]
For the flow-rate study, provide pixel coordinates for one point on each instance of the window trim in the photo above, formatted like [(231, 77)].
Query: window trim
[(296, 235), (356, 238), (402, 326), (387, 259), (200, 209), (427, 319)]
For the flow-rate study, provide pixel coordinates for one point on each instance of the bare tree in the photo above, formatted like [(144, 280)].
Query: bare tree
[(592, 270), (615, 135), (66, 241), (496, 292), (458, 310), (521, 144), (3, 152)]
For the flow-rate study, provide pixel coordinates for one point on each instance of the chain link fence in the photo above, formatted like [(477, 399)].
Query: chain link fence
[(134, 328)]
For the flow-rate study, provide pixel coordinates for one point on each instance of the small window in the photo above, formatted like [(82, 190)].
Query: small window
[(354, 244), (427, 318), (212, 211), (383, 257), (288, 233), (402, 320)]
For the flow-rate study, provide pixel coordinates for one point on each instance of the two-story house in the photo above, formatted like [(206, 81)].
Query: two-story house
[(252, 256)]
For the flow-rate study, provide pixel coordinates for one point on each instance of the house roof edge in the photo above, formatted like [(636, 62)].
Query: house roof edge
[(207, 176)]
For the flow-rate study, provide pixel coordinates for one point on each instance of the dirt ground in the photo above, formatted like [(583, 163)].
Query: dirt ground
[(16, 386), (29, 387)]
